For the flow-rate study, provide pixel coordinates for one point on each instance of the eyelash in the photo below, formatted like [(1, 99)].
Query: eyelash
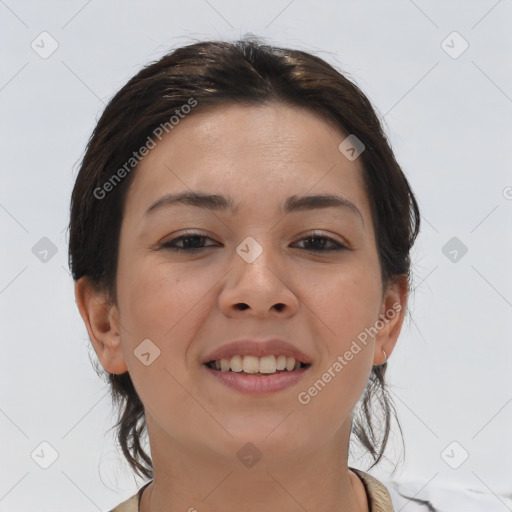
[(171, 243)]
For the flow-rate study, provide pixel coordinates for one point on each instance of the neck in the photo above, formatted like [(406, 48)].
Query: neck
[(190, 478)]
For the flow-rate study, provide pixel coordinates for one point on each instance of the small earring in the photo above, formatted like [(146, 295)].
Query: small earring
[(385, 357)]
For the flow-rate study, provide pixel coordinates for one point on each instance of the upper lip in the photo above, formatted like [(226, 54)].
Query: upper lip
[(247, 347)]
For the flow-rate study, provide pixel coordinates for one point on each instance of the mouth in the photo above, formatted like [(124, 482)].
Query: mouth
[(258, 366), (261, 376)]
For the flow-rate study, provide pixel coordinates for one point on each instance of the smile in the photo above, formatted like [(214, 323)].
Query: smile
[(265, 365), (257, 375)]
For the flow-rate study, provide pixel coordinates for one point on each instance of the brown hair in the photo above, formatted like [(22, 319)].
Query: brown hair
[(214, 73)]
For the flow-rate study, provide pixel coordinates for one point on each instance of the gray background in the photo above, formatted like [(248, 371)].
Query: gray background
[(447, 115)]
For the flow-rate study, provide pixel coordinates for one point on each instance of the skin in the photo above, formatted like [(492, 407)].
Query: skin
[(186, 303)]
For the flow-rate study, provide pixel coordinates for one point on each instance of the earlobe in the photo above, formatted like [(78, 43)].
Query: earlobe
[(100, 317), (391, 319)]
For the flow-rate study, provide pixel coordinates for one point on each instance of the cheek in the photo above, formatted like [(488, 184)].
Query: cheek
[(163, 303), (345, 301), (154, 296), (346, 304), (159, 304)]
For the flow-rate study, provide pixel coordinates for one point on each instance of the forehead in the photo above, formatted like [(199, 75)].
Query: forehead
[(250, 152)]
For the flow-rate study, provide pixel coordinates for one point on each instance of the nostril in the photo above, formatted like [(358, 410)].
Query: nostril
[(242, 306), (279, 306)]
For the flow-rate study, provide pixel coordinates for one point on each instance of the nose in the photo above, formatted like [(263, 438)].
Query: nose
[(261, 289)]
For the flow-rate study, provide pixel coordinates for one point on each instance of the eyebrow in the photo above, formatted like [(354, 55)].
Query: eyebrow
[(223, 203)]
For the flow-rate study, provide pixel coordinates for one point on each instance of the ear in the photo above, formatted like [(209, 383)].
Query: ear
[(101, 319), (391, 316)]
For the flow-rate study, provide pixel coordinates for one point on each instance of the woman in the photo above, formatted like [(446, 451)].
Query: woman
[(240, 240)]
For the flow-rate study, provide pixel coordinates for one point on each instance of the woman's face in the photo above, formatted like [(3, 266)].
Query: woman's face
[(253, 272)]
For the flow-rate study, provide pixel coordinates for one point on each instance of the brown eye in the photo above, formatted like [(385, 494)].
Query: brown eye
[(191, 242), (321, 244)]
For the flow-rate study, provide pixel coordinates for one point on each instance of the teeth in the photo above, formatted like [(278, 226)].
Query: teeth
[(253, 364), (236, 363), (268, 364)]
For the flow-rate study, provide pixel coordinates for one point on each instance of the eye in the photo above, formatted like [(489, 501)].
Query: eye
[(190, 242), (317, 243), (194, 241)]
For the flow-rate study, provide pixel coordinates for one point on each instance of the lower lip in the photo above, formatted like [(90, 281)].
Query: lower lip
[(257, 385)]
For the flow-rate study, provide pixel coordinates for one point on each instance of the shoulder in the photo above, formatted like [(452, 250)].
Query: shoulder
[(378, 496), (130, 505)]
